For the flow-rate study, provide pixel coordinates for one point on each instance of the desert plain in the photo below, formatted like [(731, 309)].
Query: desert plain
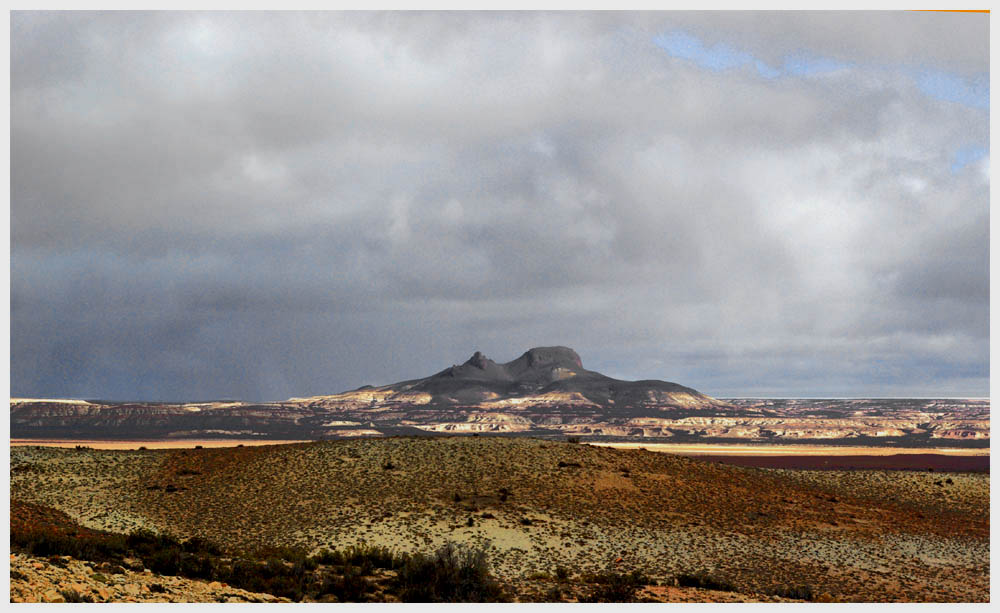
[(554, 520)]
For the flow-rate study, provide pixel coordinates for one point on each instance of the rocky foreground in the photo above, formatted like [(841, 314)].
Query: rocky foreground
[(64, 579)]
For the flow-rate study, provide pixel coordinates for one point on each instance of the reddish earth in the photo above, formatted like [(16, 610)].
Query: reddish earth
[(903, 461)]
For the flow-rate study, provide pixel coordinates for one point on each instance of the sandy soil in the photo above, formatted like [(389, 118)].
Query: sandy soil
[(161, 444), (533, 506), (824, 450), (903, 461)]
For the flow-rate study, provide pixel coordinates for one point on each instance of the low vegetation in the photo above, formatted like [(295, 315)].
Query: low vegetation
[(452, 574), (615, 587), (532, 506)]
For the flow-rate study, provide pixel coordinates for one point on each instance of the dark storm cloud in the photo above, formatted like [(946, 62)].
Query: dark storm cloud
[(262, 205)]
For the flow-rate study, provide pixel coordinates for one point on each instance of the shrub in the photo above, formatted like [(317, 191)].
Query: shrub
[(450, 575), (372, 556), (196, 544), (572, 439), (615, 587), (562, 573), (351, 586), (325, 556), (164, 561), (705, 581), (796, 593)]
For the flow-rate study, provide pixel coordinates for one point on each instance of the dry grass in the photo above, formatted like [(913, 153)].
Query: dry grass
[(868, 536)]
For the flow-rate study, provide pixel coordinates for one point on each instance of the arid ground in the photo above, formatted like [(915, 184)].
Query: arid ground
[(549, 514)]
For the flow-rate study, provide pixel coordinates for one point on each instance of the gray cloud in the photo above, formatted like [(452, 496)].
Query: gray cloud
[(263, 205)]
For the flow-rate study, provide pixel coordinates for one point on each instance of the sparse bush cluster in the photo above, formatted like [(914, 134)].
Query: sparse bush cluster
[(705, 581), (615, 587), (450, 575), (801, 592)]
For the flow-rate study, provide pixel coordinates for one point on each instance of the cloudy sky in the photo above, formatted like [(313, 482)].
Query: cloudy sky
[(258, 205)]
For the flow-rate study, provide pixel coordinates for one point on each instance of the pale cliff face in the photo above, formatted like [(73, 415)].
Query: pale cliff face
[(545, 391)]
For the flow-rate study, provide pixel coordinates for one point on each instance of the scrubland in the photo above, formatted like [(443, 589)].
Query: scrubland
[(553, 520)]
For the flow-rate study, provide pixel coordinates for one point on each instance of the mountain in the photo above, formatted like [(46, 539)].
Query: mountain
[(545, 392), (543, 376)]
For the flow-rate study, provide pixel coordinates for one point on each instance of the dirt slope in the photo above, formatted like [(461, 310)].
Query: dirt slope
[(535, 505)]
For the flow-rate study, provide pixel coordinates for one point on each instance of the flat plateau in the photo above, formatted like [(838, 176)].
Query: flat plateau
[(820, 450)]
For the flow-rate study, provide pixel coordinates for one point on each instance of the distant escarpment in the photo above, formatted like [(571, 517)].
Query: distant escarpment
[(546, 392), (540, 377)]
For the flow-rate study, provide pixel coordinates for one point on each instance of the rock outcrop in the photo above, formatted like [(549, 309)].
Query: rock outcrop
[(65, 579)]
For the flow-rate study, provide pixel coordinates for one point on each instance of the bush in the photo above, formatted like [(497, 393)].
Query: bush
[(325, 556), (196, 544), (705, 581), (802, 592), (372, 556), (450, 575), (615, 587), (351, 586)]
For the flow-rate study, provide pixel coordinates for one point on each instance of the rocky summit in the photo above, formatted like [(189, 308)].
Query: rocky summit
[(544, 392), (540, 376)]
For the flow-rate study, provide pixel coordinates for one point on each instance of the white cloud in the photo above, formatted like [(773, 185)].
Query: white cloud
[(371, 196)]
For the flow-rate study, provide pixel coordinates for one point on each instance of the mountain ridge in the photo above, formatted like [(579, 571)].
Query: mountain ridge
[(540, 376)]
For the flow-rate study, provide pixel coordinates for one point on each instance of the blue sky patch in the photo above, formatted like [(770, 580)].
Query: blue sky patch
[(973, 92), (966, 155), (953, 88), (721, 57)]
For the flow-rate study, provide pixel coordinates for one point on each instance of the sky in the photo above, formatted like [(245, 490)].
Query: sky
[(257, 206)]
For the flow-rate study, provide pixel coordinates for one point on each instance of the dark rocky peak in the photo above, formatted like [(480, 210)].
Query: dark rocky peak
[(555, 357), (479, 360)]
